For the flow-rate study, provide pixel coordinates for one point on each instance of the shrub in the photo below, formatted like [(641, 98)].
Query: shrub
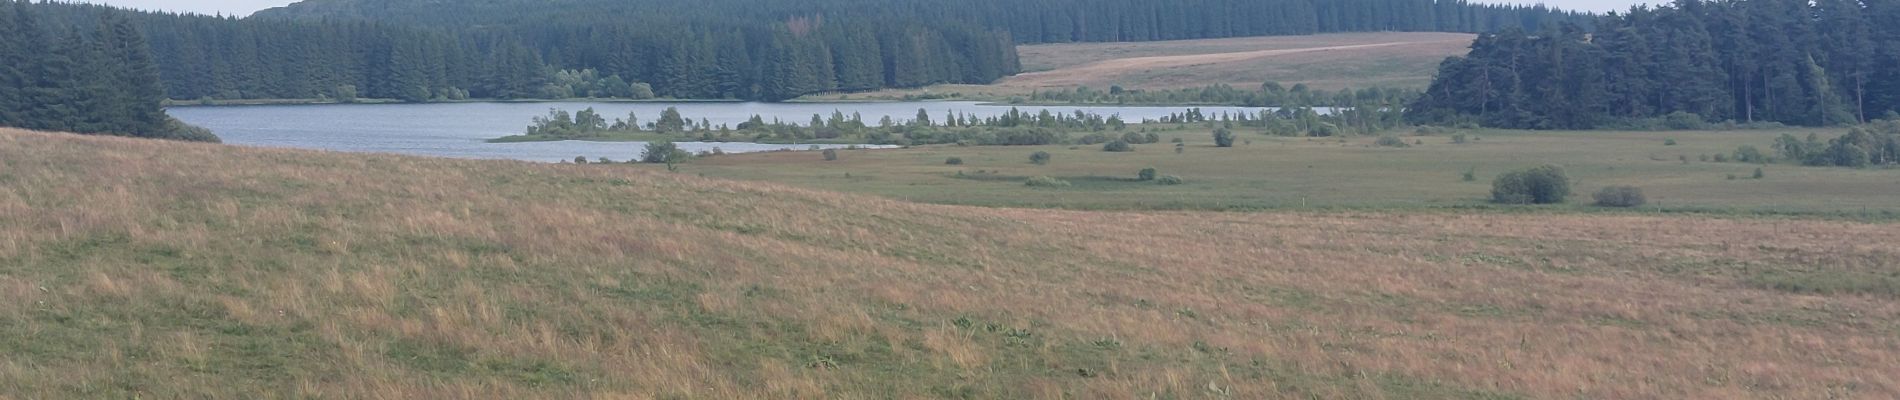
[(1117, 147), (1669, 142), (1719, 157), (1621, 196), (1758, 174), (1541, 185), (1471, 174), (1168, 180), (831, 154), (1146, 174), (1044, 181), (1458, 139), (1180, 147), (1178, 140), (1750, 154), (1039, 158), (663, 152), (953, 161), (580, 159), (1390, 141), (1324, 129), (1223, 138)]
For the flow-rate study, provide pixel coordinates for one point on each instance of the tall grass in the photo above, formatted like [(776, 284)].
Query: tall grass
[(167, 270)]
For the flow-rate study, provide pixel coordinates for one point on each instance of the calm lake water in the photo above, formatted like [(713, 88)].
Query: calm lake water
[(461, 129)]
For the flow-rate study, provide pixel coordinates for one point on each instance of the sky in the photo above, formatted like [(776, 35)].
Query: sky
[(246, 7)]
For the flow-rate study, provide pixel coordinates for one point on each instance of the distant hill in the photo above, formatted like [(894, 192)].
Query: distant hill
[(425, 50), (1029, 21)]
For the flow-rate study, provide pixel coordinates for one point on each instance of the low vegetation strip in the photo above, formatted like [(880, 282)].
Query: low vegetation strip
[(161, 269)]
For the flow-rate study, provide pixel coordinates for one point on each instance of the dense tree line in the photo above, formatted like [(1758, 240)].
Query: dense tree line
[(205, 57), (1826, 62), (417, 50), (96, 77), (1030, 21)]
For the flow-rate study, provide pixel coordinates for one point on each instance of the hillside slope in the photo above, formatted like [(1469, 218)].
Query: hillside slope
[(1329, 62), (154, 269)]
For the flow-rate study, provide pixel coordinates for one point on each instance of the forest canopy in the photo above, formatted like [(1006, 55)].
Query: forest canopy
[(415, 50), (1829, 62)]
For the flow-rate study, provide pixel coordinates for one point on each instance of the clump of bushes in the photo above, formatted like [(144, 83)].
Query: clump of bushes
[(1168, 180), (831, 154), (1146, 174), (1039, 158), (1750, 154), (1390, 141), (1458, 139), (1669, 142), (1117, 146), (953, 161), (1621, 196), (1223, 138), (1540, 185), (1045, 181), (663, 152)]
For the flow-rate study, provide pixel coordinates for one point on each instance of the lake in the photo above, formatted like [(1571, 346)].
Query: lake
[(461, 130)]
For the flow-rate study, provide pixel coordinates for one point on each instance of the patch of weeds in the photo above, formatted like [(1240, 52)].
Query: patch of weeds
[(1829, 282)]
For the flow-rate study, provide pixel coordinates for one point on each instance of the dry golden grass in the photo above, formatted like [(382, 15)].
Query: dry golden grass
[(1332, 61), (169, 270)]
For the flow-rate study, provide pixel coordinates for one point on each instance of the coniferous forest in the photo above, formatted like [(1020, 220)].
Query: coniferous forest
[(95, 76), (717, 49), (1829, 62)]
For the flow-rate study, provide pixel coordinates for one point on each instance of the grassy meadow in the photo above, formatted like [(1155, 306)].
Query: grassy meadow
[(143, 269), (1268, 172)]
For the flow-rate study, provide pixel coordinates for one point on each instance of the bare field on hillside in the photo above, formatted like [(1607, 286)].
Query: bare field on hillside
[(1320, 61), (169, 270), (1330, 61)]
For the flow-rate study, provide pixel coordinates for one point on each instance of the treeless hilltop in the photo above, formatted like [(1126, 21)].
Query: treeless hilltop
[(156, 269)]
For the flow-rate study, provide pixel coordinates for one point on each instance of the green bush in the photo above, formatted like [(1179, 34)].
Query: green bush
[(1117, 147), (664, 152), (1620, 196), (1146, 174), (1168, 180), (831, 154), (953, 161), (1750, 154), (1039, 158), (1223, 138), (1390, 141), (1758, 174), (1669, 142), (1458, 139), (1540, 185), (1471, 174), (1044, 181)]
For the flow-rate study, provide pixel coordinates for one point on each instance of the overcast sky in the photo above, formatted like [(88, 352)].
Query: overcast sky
[(246, 7)]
